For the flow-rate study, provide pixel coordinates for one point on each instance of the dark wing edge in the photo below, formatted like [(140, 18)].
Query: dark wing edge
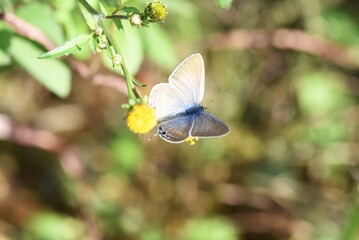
[(175, 130)]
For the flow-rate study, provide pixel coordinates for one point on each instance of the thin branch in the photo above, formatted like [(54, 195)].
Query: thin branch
[(289, 40), (27, 136), (117, 17), (27, 30)]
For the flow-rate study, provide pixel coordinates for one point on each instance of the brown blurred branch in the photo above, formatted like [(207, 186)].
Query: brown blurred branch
[(288, 40), (27, 30), (31, 137)]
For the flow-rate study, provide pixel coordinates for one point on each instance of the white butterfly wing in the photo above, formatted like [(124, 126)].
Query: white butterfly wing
[(188, 78), (184, 90), (166, 101)]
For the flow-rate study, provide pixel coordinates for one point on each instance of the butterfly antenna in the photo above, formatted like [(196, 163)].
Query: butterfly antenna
[(152, 136)]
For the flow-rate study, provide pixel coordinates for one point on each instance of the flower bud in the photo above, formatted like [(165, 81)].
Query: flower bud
[(156, 11), (135, 19)]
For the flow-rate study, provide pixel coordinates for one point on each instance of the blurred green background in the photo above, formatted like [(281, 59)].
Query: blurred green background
[(283, 74)]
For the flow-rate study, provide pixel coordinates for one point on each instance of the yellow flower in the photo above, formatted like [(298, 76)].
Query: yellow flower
[(191, 140), (156, 11), (141, 119)]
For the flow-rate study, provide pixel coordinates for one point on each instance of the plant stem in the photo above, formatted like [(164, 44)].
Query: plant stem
[(118, 16), (116, 47)]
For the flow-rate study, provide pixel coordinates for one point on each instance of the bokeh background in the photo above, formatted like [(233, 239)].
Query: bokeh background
[(283, 74)]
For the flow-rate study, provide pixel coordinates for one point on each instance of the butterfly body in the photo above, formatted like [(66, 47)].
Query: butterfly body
[(177, 105)]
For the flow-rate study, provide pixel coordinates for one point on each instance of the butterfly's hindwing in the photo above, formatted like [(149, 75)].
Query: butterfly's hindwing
[(207, 125), (175, 130), (197, 125)]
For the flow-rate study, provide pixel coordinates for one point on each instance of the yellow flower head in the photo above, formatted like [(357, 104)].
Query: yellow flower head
[(156, 11), (141, 118)]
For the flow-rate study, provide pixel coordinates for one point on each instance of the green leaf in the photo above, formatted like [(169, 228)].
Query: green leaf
[(6, 35), (89, 18), (322, 92), (4, 5), (118, 24), (42, 16), (130, 9), (71, 46), (350, 231), (210, 229), (93, 44), (108, 6), (328, 131), (159, 47), (152, 234), (50, 226), (341, 26), (127, 152), (52, 73), (224, 4), (4, 58), (138, 83), (73, 23)]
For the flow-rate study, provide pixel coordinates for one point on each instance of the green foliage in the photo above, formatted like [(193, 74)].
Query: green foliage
[(127, 49), (321, 92), (127, 152), (351, 232), (341, 26), (72, 46), (328, 131), (108, 7), (131, 46), (151, 235), (4, 58), (54, 75), (42, 16), (224, 4), (159, 47), (210, 229), (51, 226), (89, 18)]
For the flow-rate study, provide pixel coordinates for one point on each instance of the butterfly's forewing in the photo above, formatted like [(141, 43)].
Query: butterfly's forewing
[(188, 78), (207, 125), (184, 90), (166, 101)]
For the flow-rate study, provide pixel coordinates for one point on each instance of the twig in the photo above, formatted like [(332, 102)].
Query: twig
[(286, 39), (27, 30), (27, 136)]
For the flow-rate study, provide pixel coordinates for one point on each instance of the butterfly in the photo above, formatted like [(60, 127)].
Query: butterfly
[(177, 105)]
